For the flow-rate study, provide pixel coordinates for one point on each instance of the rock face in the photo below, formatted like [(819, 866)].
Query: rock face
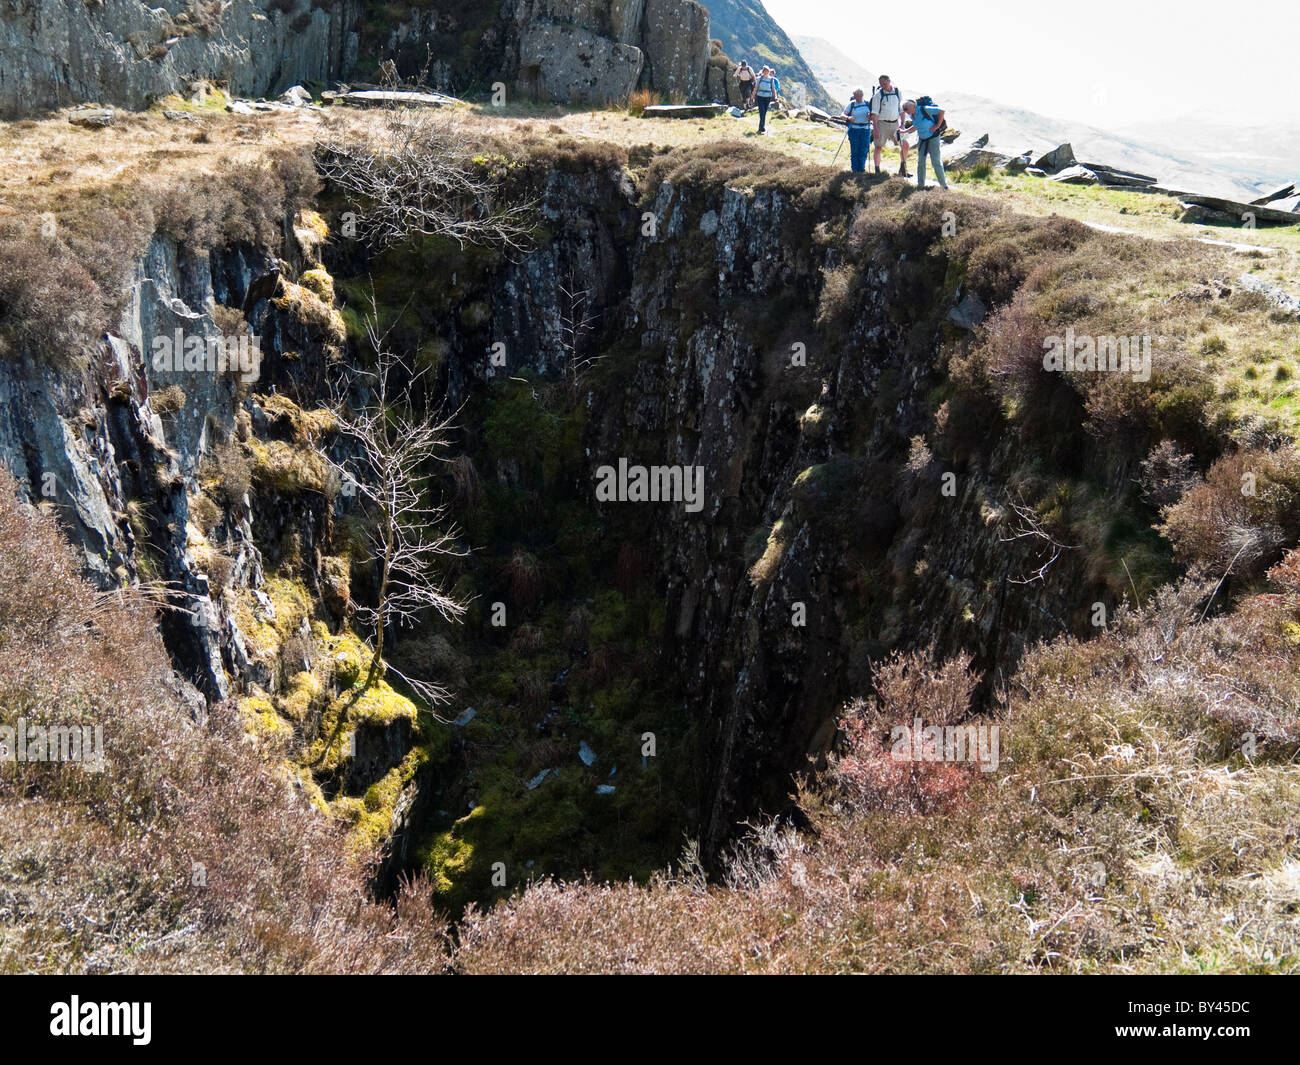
[(569, 64), (126, 53), (675, 39), (707, 381), (597, 51)]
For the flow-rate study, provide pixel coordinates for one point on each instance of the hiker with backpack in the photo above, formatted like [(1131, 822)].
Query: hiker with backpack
[(927, 120), (887, 113), (745, 76), (858, 112), (766, 91)]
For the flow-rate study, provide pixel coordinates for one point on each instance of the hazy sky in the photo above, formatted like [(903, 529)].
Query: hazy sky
[(1093, 61)]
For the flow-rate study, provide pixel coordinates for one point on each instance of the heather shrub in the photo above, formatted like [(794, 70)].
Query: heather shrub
[(1240, 516), (50, 305), (186, 852)]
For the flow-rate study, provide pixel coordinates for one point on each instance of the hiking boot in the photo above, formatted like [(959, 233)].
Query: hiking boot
[(877, 170), (902, 172)]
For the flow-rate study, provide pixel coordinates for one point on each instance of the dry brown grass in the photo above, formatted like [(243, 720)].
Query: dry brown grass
[(187, 852)]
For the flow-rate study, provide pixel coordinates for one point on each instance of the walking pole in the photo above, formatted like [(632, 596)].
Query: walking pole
[(841, 147)]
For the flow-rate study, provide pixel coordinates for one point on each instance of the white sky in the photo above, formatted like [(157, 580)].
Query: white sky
[(1092, 61)]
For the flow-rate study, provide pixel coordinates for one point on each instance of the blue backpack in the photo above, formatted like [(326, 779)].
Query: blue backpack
[(922, 103)]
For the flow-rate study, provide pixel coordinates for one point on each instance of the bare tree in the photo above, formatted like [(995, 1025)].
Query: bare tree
[(1030, 527), (575, 323), (393, 449), (413, 176)]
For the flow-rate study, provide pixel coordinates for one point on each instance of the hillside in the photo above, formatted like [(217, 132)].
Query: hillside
[(747, 31)]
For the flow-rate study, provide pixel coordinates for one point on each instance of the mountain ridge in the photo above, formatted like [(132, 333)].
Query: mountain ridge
[(747, 31)]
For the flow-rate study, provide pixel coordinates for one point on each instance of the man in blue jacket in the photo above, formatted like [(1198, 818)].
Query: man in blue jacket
[(858, 112), (927, 121), (767, 90)]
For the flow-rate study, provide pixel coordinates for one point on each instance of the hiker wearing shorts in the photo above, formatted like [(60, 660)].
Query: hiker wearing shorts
[(927, 120), (745, 76), (765, 93), (858, 112), (887, 112)]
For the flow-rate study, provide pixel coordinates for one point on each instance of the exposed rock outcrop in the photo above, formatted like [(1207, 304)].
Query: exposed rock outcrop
[(128, 54)]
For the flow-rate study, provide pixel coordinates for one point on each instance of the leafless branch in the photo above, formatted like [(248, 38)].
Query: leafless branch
[(412, 177), (1030, 527), (575, 323)]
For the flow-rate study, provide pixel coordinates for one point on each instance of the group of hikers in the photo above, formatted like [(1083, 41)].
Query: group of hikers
[(872, 121)]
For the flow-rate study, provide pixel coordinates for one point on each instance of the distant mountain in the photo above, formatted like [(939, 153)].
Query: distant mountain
[(1273, 154), (839, 73), (1189, 154), (747, 31)]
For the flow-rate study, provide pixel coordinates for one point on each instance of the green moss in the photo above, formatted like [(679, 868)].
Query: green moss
[(304, 690), (777, 540), (288, 468), (262, 722), (319, 282)]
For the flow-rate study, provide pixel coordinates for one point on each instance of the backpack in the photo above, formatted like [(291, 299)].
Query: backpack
[(924, 102)]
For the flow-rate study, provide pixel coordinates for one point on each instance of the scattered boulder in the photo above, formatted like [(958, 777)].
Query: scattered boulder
[(585, 753), (1122, 178), (976, 157), (815, 114), (533, 784), (981, 141), (1059, 158), (384, 97), (1076, 175), (1035, 171), (238, 107), (1285, 192), (1235, 211), (1018, 164), (969, 312), (295, 96), (1275, 295), (683, 110), (92, 117)]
